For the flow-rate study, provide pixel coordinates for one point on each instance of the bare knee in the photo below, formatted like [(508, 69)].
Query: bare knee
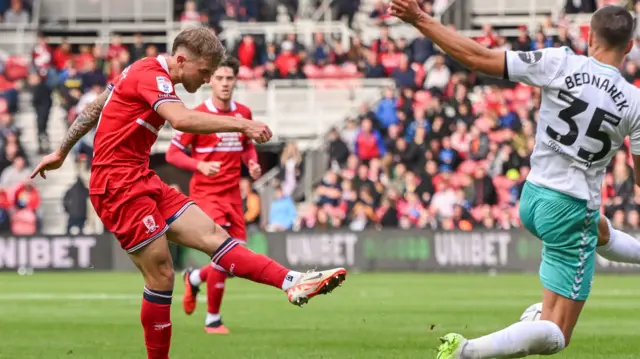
[(156, 265), (603, 231), (213, 238)]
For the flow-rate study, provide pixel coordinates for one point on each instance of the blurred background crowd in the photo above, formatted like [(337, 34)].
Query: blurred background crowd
[(444, 148)]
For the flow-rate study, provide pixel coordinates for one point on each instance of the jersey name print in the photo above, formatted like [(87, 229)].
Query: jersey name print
[(587, 110)]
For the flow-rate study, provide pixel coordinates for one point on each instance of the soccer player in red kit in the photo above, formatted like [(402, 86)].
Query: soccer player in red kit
[(216, 162), (143, 212)]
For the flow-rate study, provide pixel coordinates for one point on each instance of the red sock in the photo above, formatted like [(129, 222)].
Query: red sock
[(239, 261), (156, 322), (215, 290), (205, 272)]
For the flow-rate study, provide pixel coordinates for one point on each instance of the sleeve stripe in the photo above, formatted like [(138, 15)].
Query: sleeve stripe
[(177, 144), (164, 100)]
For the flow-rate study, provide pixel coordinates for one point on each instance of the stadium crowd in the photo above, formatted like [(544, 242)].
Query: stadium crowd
[(444, 149), (19, 200)]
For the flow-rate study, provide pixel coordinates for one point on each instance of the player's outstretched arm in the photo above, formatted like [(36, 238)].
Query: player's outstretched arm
[(87, 120), (192, 121), (465, 50)]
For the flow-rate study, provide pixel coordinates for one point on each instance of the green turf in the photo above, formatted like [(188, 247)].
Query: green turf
[(384, 316)]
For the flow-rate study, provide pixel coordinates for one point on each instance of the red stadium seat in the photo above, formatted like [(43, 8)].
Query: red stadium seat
[(245, 73), (16, 68), (331, 72), (349, 69), (258, 72), (311, 71)]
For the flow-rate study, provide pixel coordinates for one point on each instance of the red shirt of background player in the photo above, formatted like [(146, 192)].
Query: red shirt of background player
[(218, 195)]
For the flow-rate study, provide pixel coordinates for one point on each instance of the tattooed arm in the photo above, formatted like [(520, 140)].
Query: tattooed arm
[(87, 120)]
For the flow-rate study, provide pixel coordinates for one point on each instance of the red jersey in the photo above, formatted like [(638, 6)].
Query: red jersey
[(230, 149), (129, 124)]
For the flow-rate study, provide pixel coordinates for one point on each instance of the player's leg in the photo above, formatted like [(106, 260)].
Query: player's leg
[(566, 272), (193, 228), (156, 265), (131, 215), (234, 223), (193, 278), (616, 245)]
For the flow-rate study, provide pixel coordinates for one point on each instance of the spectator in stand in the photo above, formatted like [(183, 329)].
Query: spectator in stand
[(16, 15), (71, 91), (42, 85), (61, 55), (404, 76), (137, 49), (5, 212), (346, 8), (320, 50), (291, 165), (373, 69), (247, 52), (251, 204), (421, 49), (523, 41), (82, 60), (92, 75), (380, 45), (282, 213), (190, 17), (15, 174), (386, 114), (287, 59), (338, 150), (438, 75), (380, 13), (369, 143), (75, 205)]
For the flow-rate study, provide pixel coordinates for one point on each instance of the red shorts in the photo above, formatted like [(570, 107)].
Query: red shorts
[(139, 213), (227, 215)]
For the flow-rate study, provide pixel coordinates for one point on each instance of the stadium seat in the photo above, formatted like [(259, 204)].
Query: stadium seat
[(245, 73), (312, 71)]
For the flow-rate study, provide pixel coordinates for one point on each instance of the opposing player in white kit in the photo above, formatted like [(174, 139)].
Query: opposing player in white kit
[(587, 110)]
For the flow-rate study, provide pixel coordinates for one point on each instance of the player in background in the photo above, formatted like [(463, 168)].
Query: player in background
[(587, 110), (216, 162), (143, 212)]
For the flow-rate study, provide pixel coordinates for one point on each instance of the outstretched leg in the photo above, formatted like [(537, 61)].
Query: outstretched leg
[(616, 245), (196, 230)]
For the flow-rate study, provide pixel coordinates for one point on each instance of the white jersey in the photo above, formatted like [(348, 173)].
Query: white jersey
[(587, 110)]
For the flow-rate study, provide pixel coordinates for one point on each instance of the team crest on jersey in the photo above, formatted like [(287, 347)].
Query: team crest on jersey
[(530, 57), (150, 223), (164, 84)]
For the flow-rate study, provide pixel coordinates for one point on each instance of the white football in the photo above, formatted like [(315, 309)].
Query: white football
[(532, 313)]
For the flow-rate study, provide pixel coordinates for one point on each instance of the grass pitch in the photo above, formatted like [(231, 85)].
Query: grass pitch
[(386, 316)]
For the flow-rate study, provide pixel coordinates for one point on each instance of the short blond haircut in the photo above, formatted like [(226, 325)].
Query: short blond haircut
[(200, 42)]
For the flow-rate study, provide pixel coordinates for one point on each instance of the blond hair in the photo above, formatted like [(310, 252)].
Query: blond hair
[(200, 42)]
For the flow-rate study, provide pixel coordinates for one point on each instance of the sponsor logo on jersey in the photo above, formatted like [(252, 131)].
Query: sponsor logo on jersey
[(150, 223), (530, 57), (164, 84)]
